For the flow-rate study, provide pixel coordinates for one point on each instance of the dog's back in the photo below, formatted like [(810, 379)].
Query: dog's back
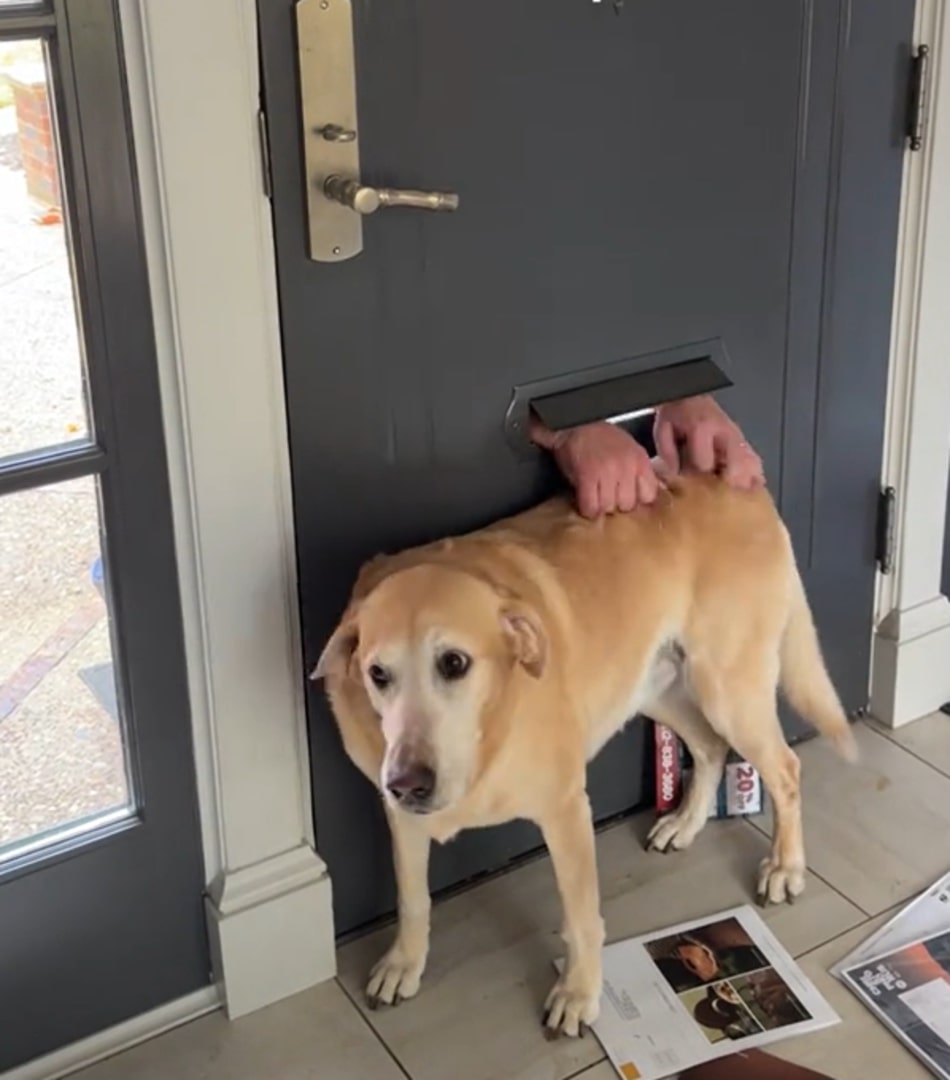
[(706, 572)]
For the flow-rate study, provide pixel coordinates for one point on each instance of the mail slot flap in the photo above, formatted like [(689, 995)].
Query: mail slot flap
[(616, 391)]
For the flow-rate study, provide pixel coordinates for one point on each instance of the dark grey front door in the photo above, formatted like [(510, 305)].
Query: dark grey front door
[(631, 181)]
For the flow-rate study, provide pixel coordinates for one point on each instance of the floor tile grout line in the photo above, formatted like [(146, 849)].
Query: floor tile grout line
[(402, 1068), (391, 1053), (886, 915), (593, 1065), (376, 1035), (798, 957), (811, 870), (844, 896), (909, 750)]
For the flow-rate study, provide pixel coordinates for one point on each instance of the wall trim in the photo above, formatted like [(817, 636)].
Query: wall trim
[(910, 676), (210, 251), (114, 1040)]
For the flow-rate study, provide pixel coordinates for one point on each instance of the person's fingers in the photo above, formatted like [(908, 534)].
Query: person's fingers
[(736, 471), (588, 498), (743, 466), (542, 436), (757, 470), (627, 497), (647, 486), (606, 495), (665, 438), (701, 446), (660, 471)]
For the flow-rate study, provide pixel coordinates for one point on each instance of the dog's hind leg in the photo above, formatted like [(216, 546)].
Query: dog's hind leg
[(677, 710), (398, 974), (740, 702), (569, 834)]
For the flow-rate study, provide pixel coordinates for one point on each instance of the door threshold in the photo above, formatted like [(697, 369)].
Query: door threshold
[(114, 1040)]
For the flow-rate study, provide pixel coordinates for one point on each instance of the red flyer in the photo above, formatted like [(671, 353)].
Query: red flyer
[(739, 793)]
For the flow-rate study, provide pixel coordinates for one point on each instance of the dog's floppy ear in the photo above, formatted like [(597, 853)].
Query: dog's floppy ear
[(525, 634), (338, 651)]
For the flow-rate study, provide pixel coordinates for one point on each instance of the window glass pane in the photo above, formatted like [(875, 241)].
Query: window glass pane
[(62, 754), (42, 382)]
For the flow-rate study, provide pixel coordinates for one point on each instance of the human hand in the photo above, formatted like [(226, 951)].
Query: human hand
[(608, 469), (713, 442)]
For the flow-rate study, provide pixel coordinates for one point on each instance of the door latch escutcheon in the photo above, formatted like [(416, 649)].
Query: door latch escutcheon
[(328, 107), (337, 199)]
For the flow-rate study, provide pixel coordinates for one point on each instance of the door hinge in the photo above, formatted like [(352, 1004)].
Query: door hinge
[(265, 152), (917, 97), (886, 522)]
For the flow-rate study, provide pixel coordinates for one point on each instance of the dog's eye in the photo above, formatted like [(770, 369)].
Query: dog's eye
[(379, 676), (453, 665)]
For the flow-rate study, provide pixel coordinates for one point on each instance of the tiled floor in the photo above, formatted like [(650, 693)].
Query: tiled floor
[(876, 835)]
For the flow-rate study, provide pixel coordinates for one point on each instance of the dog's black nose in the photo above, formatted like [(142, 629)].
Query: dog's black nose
[(413, 786)]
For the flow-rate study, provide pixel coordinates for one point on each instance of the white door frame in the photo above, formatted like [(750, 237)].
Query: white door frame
[(194, 75), (193, 71), (910, 669)]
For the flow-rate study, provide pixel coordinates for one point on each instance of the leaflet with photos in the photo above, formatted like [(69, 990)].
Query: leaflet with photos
[(702, 990)]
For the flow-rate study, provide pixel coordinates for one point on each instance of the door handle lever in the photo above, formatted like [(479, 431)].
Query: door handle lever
[(367, 200)]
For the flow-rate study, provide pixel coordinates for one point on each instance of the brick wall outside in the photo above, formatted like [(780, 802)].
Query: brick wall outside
[(36, 136)]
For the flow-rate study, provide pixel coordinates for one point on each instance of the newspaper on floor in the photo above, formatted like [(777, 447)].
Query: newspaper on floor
[(699, 991), (928, 914), (902, 974)]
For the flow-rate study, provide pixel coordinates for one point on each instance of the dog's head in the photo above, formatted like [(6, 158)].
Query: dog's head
[(437, 650)]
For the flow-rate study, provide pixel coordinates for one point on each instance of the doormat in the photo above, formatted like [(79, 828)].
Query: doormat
[(100, 679)]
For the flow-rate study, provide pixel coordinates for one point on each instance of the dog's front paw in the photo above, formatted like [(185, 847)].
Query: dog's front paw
[(395, 978), (778, 883), (674, 832), (570, 1009)]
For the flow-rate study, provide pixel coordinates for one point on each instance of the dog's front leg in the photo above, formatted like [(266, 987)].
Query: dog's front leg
[(575, 1000), (397, 975)]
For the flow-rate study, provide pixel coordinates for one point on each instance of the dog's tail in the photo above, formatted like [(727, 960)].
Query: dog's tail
[(805, 679)]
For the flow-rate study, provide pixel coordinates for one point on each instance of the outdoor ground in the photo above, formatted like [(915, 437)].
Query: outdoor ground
[(875, 833), (61, 755)]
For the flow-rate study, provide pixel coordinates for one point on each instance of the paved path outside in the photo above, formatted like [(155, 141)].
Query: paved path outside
[(60, 750)]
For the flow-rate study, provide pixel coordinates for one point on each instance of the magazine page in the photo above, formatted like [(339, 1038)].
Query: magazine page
[(909, 990), (699, 991), (925, 916)]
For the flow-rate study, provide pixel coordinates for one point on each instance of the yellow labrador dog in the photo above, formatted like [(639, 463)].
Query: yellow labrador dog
[(473, 679)]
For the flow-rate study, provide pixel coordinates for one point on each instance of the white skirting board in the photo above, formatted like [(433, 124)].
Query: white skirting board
[(911, 664)]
